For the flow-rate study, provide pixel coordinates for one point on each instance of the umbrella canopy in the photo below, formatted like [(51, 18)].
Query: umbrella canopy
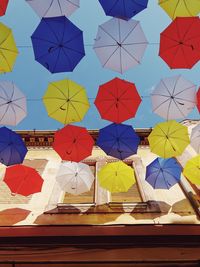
[(73, 143), (169, 139), (75, 178), (116, 177), (13, 216), (123, 9), (66, 101), (118, 140), (180, 43), (163, 173), (192, 170), (117, 100), (198, 100), (12, 104), (180, 8), (120, 44), (23, 180), (3, 7), (12, 147), (8, 49), (174, 98), (58, 44), (54, 8), (195, 138)]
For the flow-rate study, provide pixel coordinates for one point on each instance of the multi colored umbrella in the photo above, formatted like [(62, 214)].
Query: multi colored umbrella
[(116, 177), (174, 97), (117, 100), (8, 49), (169, 139), (23, 180), (120, 44), (123, 9), (75, 178), (180, 43), (163, 173), (3, 7), (73, 143), (118, 140), (12, 147), (12, 104), (58, 44), (54, 8), (192, 170), (198, 99), (66, 101), (195, 138)]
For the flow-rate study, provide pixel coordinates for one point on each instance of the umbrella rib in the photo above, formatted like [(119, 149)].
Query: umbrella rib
[(43, 40), (96, 47), (113, 6), (166, 87), (74, 50), (51, 30), (139, 4), (185, 90), (75, 110), (14, 114), (74, 4), (137, 23), (108, 33), (81, 88), (48, 8), (130, 55), (154, 185), (10, 50), (161, 104), (188, 28), (60, 7), (6, 61), (183, 51), (57, 59), (68, 58), (179, 108), (14, 104), (4, 113), (110, 57), (4, 92), (168, 109), (176, 8), (53, 84), (175, 85)]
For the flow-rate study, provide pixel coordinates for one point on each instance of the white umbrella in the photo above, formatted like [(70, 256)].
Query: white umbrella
[(54, 8), (120, 44), (174, 98), (195, 138), (12, 104), (75, 178)]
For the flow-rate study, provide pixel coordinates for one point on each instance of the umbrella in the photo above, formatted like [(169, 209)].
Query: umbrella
[(66, 101), (3, 7), (120, 44), (12, 147), (123, 9), (23, 180), (12, 104), (192, 170), (54, 8), (116, 177), (58, 44), (163, 173), (117, 100), (75, 178), (8, 49), (118, 140), (73, 143), (169, 139), (13, 216), (198, 100), (180, 8), (174, 98), (180, 43), (195, 138)]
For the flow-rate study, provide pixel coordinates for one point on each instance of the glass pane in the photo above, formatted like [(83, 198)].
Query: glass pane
[(133, 195)]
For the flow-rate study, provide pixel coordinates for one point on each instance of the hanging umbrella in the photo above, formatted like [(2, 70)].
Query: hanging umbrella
[(123, 9), (66, 101), (75, 178), (8, 49), (12, 147), (58, 44), (73, 143), (116, 177), (23, 180), (12, 104), (163, 173), (120, 44), (174, 98), (180, 43), (180, 8), (198, 100), (12, 216), (192, 170), (118, 140), (169, 139), (54, 8), (117, 100), (3, 7), (195, 138)]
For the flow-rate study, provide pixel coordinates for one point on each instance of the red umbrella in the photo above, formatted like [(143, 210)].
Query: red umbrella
[(198, 100), (73, 143), (117, 100), (3, 6), (23, 180), (180, 43)]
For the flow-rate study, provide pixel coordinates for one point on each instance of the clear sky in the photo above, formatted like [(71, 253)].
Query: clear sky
[(32, 78)]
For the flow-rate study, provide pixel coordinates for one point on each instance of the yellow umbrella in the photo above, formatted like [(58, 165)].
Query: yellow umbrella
[(180, 8), (192, 170), (169, 139), (66, 101), (116, 177), (8, 49)]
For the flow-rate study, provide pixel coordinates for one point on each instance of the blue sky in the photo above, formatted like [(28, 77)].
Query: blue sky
[(32, 78)]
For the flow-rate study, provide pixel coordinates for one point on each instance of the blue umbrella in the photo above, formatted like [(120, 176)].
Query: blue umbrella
[(123, 9), (118, 140), (12, 147), (58, 44), (163, 173)]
